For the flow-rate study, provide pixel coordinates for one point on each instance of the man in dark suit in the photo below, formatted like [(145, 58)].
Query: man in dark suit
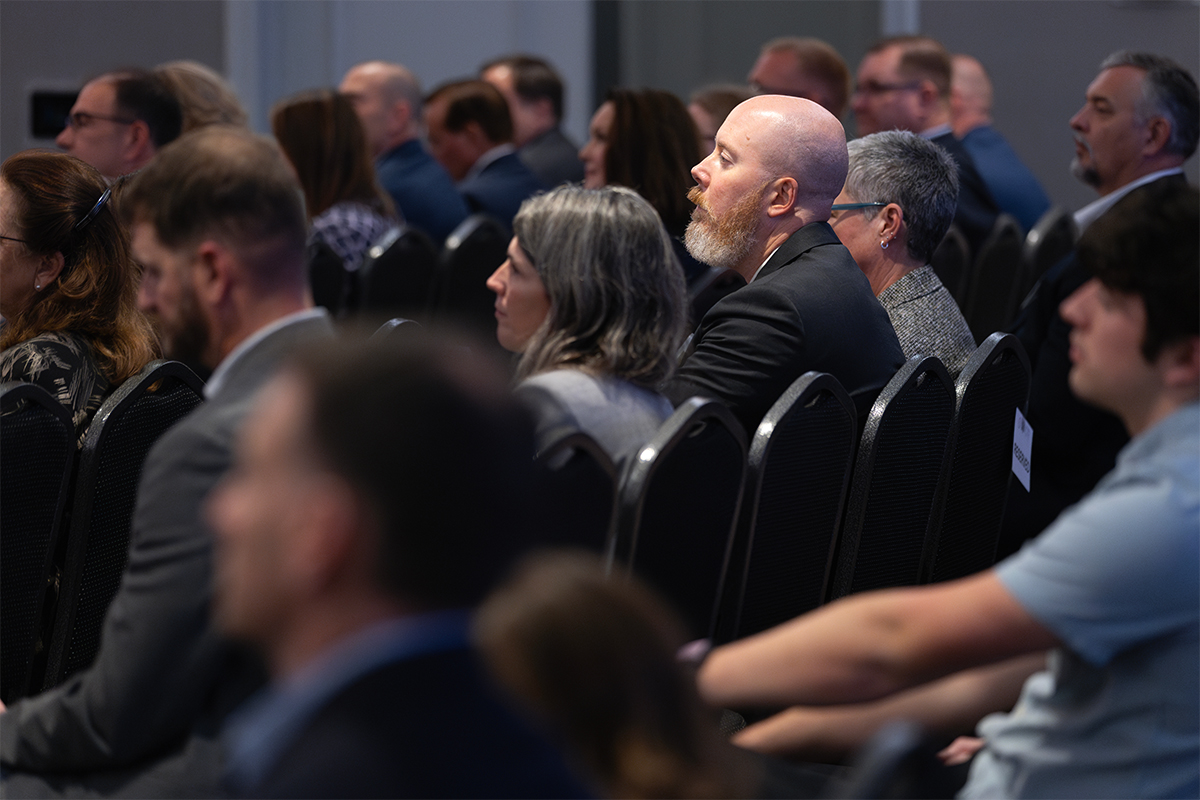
[(762, 207), (219, 227), (534, 93), (904, 84), (379, 492), (387, 99), (471, 135)]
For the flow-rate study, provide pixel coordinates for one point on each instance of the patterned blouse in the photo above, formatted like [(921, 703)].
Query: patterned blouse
[(350, 229), (63, 364)]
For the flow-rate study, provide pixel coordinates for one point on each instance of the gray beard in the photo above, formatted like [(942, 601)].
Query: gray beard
[(1084, 174), (707, 246)]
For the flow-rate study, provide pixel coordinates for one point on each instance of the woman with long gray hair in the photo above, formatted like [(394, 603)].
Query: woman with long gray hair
[(592, 297)]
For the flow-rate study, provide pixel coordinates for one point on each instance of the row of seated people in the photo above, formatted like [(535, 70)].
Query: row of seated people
[(771, 240)]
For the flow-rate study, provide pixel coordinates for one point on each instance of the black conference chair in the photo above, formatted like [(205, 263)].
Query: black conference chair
[(577, 484), (114, 448), (951, 261), (679, 500), (1048, 242), (895, 478), (710, 287), (328, 278), (969, 507), (472, 253), (399, 329), (396, 275), (37, 443), (996, 279), (799, 471)]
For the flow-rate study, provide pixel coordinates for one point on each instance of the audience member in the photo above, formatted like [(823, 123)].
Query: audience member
[(1140, 122), (803, 67), (471, 135), (217, 223), (355, 572), (1117, 712), (323, 139), (534, 93), (120, 120), (205, 98), (594, 659), (646, 140), (904, 84), (1013, 187), (592, 299), (894, 209), (710, 105), (387, 98), (68, 284), (762, 202)]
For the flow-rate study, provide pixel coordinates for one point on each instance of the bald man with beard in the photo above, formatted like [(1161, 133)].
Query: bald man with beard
[(762, 207)]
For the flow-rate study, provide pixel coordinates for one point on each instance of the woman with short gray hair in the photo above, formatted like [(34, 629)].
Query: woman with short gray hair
[(592, 297), (899, 199)]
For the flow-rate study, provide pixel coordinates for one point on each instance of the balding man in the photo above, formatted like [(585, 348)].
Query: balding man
[(904, 84), (1013, 186), (387, 98), (762, 206), (120, 120), (802, 67)]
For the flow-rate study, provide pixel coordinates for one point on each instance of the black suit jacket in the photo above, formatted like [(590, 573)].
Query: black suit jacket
[(809, 308), (428, 726), (976, 211), (500, 188)]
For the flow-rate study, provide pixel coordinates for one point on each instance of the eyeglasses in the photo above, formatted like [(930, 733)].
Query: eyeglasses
[(14, 239), (81, 119), (852, 206), (871, 87)]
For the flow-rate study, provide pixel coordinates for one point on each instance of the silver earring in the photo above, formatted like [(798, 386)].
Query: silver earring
[(884, 244), (37, 287)]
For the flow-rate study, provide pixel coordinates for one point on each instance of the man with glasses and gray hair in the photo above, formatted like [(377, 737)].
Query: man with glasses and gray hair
[(120, 120)]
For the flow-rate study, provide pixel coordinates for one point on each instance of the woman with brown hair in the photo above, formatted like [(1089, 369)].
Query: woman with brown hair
[(68, 284), (321, 135), (646, 140)]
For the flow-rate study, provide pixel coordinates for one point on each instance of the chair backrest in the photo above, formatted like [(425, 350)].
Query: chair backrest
[(577, 484), (799, 471), (328, 278), (115, 445), (472, 253), (679, 500), (1048, 242), (950, 262), (398, 328), (396, 274), (895, 477), (969, 507), (996, 279), (710, 287), (37, 452)]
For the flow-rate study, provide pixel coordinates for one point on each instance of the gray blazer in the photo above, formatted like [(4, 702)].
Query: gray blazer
[(143, 718)]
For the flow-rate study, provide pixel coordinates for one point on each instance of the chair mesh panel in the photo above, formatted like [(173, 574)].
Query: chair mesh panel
[(996, 280), (397, 281), (803, 486), (473, 252), (687, 516), (327, 277), (980, 467), (119, 459), (950, 261), (37, 445), (908, 448), (578, 497)]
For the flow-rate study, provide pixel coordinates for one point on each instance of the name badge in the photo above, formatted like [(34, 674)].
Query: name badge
[(1022, 447)]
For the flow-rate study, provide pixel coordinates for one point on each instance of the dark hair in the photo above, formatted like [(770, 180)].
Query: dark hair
[(1168, 90), (618, 305), (921, 57), (478, 102), (228, 183), (1148, 244), (430, 437), (95, 294), (820, 60), (143, 95), (322, 136), (205, 98), (533, 79), (652, 148)]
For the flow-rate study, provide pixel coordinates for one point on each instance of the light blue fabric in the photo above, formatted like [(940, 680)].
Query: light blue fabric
[(1117, 579)]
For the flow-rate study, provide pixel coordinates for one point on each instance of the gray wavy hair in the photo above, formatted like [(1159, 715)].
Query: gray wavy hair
[(618, 302), (900, 167)]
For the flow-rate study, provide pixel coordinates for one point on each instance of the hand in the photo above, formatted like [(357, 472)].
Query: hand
[(961, 750)]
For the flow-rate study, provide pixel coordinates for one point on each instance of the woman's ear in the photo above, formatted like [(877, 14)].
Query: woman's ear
[(49, 268)]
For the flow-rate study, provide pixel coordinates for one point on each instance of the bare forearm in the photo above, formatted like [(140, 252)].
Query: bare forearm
[(948, 707)]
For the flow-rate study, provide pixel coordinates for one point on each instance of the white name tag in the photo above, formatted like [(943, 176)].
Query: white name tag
[(1022, 447)]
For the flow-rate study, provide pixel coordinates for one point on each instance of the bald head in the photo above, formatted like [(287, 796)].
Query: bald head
[(387, 98), (970, 95)]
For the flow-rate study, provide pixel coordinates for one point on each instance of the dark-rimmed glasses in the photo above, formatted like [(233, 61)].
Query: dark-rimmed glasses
[(871, 87), (852, 206), (14, 239), (81, 119)]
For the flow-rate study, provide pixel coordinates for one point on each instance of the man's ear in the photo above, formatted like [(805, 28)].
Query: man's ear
[(139, 143), (928, 94), (1180, 364), (213, 273), (1158, 133), (781, 196)]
